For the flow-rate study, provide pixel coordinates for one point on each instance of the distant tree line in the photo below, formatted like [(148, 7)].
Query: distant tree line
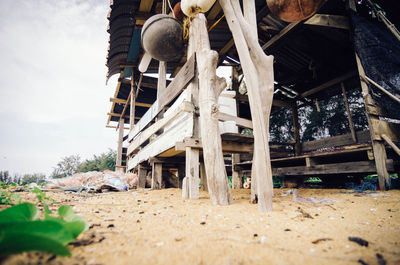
[(68, 166)]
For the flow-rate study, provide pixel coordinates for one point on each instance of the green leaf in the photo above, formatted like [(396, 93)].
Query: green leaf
[(13, 242), (46, 229), (19, 213), (74, 227), (66, 213)]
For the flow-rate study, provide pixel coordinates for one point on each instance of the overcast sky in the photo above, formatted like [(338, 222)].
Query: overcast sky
[(53, 97)]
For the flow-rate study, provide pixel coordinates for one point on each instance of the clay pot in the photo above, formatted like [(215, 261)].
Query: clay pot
[(178, 11), (162, 38), (294, 10)]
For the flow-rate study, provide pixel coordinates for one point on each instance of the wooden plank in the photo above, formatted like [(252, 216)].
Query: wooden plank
[(332, 21), (239, 121), (156, 176), (177, 130), (140, 139), (115, 127), (282, 34), (328, 84), (132, 103), (215, 10), (296, 131), (337, 168), (118, 100), (390, 142), (340, 140), (227, 146), (179, 83)]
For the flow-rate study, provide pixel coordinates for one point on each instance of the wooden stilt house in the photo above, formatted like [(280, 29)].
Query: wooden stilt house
[(314, 59)]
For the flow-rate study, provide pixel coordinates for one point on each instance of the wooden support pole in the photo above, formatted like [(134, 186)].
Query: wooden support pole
[(346, 104), (236, 179), (258, 70), (192, 174), (142, 173), (119, 148), (210, 87), (296, 130), (156, 176), (203, 177), (133, 103), (378, 147)]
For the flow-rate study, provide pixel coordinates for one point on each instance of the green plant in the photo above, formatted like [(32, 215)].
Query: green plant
[(21, 230), (7, 197), (43, 199)]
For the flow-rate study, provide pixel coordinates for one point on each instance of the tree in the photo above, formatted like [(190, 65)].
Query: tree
[(32, 178), (99, 163), (5, 177), (67, 166)]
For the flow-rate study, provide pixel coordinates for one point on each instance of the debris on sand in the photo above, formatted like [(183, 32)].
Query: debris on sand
[(359, 241), (311, 200), (94, 181)]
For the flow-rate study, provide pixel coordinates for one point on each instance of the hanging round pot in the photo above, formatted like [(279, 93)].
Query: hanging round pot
[(162, 38), (294, 10)]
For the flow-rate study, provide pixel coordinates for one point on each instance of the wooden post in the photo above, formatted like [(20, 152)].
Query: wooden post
[(236, 179), (203, 177), (142, 172), (346, 104), (181, 174), (378, 146), (190, 183), (210, 87), (156, 177), (133, 102), (118, 164), (258, 71), (296, 130)]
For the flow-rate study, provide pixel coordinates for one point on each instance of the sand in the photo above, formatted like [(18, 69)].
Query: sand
[(159, 227)]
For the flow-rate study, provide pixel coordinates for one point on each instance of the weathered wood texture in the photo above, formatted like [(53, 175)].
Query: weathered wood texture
[(156, 176), (142, 172), (258, 71), (192, 173), (378, 146), (118, 163), (236, 179), (166, 96), (210, 86)]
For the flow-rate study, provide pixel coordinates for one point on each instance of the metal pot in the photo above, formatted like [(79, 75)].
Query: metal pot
[(294, 10), (162, 38)]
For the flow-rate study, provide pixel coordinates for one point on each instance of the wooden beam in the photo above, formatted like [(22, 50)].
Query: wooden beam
[(142, 173), (227, 146), (120, 140), (377, 146), (282, 34), (118, 100), (296, 130), (115, 127), (328, 84), (390, 142), (239, 121), (332, 21), (145, 6), (117, 115), (337, 168)]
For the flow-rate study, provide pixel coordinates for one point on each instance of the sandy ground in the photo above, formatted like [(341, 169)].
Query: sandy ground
[(159, 227)]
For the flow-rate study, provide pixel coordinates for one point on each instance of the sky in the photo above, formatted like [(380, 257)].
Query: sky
[(53, 95)]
